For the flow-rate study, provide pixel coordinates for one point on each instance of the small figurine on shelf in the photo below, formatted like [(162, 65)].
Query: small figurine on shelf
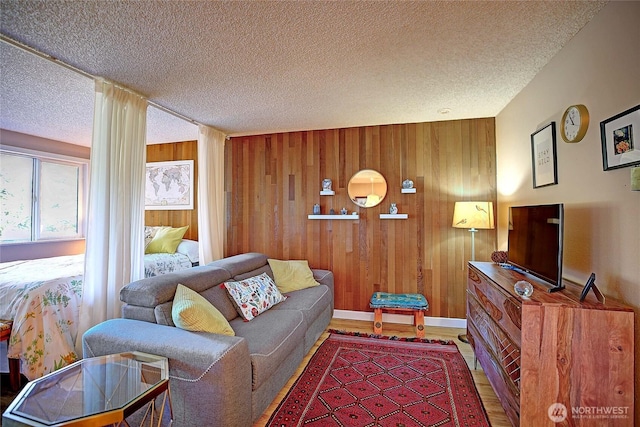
[(316, 209), (407, 183), (343, 211), (326, 184), (393, 210), (332, 211)]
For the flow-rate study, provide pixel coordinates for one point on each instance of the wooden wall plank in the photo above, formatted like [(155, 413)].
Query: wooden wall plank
[(273, 181), (170, 152)]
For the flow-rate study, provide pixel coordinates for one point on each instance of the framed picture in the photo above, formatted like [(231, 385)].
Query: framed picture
[(543, 156), (169, 185), (620, 140)]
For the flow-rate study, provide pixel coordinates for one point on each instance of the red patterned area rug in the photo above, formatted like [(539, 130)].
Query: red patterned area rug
[(360, 380)]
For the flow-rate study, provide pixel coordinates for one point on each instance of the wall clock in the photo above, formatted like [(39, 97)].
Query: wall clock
[(575, 122)]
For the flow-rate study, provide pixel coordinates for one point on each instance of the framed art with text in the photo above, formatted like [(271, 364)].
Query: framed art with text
[(543, 156), (619, 135), (169, 185)]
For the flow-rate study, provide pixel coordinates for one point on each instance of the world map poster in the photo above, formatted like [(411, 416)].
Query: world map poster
[(169, 185)]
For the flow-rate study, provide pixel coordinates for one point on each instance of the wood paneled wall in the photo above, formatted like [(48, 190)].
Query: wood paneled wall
[(169, 152), (273, 181)]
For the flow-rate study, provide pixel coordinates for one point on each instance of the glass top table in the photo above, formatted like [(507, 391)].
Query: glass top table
[(96, 391)]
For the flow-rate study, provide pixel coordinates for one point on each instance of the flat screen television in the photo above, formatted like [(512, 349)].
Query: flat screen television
[(536, 240)]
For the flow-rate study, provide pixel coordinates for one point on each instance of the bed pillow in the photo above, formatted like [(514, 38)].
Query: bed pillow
[(189, 248), (149, 233), (192, 312), (166, 240), (254, 295), (292, 275)]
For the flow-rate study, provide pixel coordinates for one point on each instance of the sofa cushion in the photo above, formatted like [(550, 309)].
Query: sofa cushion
[(271, 337), (292, 275), (258, 271), (311, 302), (254, 295), (153, 291), (192, 312), (240, 264), (219, 297)]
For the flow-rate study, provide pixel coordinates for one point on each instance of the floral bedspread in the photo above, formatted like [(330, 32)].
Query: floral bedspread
[(42, 297), (156, 264)]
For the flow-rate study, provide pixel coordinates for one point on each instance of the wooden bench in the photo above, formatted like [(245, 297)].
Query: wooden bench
[(415, 304), (14, 364)]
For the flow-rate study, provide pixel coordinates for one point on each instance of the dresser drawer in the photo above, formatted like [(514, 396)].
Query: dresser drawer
[(509, 398), (504, 309), (504, 352)]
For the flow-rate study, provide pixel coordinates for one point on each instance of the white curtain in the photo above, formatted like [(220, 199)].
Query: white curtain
[(115, 228), (210, 193)]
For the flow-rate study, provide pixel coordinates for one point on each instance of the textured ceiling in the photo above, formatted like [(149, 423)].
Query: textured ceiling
[(248, 67)]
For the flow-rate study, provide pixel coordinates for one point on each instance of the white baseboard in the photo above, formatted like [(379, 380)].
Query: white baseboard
[(403, 319)]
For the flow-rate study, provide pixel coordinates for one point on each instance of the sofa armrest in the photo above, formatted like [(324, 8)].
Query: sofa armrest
[(325, 277), (209, 374)]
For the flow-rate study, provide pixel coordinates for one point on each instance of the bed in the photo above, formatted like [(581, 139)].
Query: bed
[(42, 297)]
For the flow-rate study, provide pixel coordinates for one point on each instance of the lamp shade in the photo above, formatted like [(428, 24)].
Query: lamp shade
[(473, 215)]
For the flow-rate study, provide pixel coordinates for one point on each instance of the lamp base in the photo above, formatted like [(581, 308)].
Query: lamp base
[(463, 338)]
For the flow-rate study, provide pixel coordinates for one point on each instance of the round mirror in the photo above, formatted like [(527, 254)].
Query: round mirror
[(367, 188)]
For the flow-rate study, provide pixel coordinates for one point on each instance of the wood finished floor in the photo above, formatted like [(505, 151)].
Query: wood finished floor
[(497, 416), (491, 403)]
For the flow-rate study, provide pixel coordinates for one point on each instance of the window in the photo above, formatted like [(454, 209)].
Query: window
[(40, 198)]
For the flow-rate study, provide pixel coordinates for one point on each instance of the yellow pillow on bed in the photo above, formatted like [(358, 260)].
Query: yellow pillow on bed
[(192, 312), (166, 240), (292, 275)]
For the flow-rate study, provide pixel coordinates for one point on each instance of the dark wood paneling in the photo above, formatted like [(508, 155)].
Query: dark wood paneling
[(273, 181), (170, 152)]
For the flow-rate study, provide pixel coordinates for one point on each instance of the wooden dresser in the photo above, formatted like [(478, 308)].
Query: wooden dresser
[(550, 355)]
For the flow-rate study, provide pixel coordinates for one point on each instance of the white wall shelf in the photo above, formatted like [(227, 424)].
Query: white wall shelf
[(347, 217), (394, 216), (408, 190), (327, 193)]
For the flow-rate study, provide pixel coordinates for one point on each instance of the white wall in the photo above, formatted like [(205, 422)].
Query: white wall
[(34, 250), (600, 68)]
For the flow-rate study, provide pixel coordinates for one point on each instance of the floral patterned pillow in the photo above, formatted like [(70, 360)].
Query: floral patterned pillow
[(254, 295)]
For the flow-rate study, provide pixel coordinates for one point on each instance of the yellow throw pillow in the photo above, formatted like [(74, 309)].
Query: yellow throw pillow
[(191, 311), (166, 240), (292, 275)]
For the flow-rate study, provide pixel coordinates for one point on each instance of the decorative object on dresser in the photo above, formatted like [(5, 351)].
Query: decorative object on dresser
[(543, 156), (550, 357), (472, 215), (619, 135), (499, 257)]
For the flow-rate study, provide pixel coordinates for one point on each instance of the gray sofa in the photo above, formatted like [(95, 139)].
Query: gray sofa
[(218, 380)]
